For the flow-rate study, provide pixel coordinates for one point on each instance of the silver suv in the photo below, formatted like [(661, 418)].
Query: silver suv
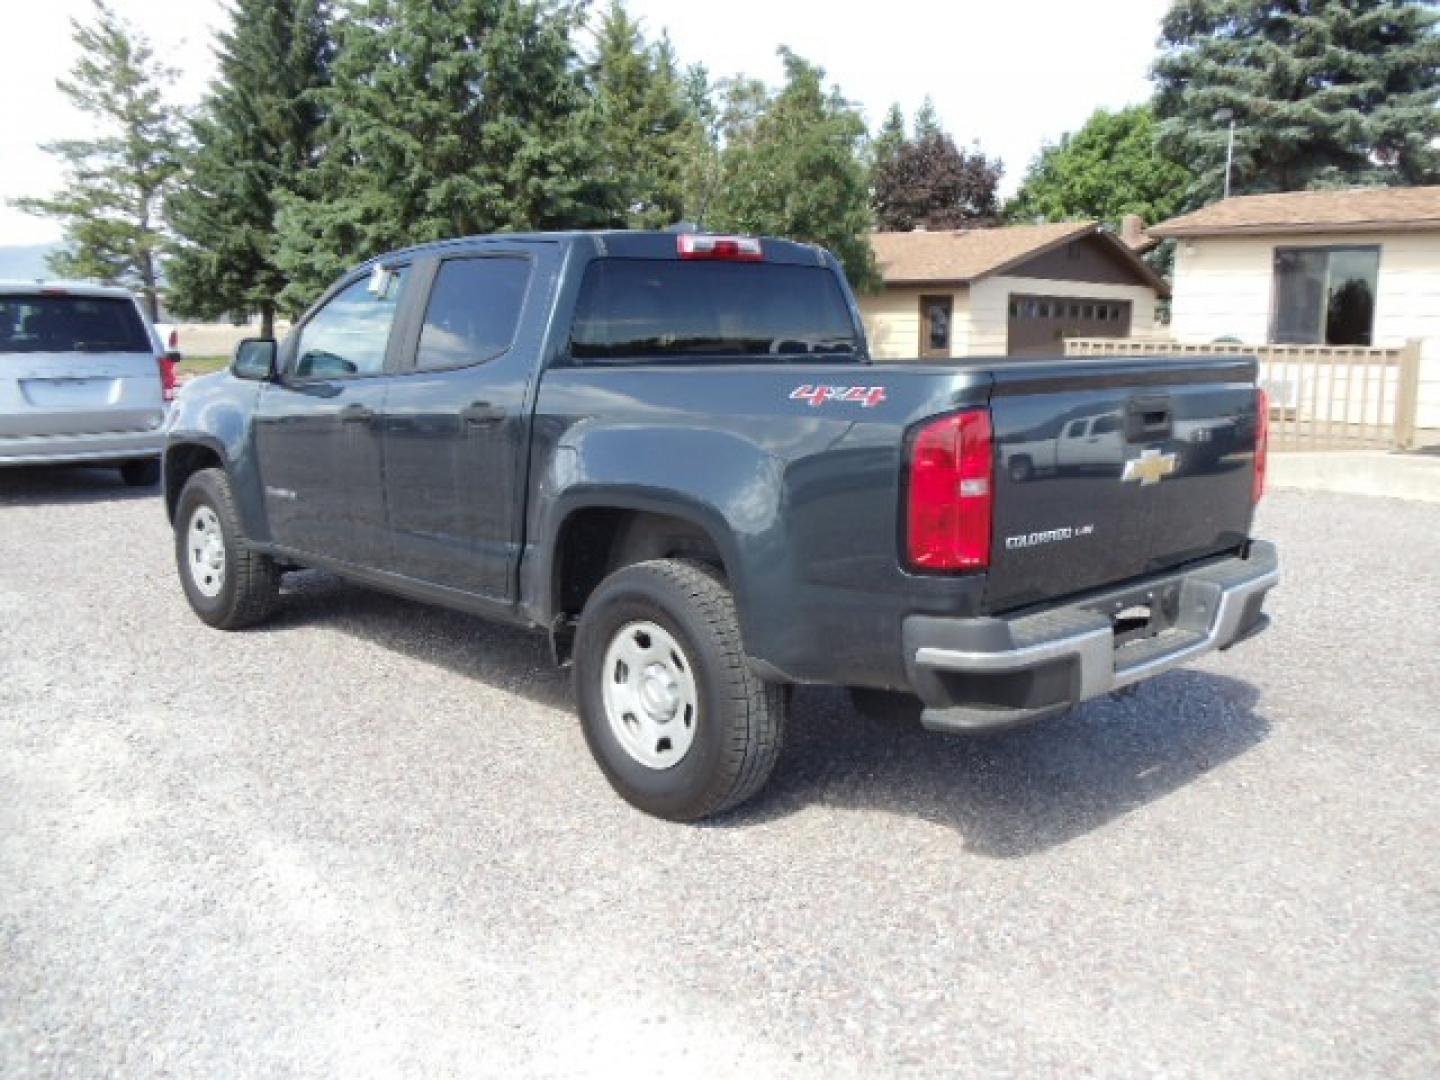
[(83, 379)]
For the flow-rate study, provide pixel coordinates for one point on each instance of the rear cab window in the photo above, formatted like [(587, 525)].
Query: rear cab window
[(678, 311), (60, 323)]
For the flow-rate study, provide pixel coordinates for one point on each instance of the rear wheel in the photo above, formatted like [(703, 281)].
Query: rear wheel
[(677, 721), (142, 472), (228, 586)]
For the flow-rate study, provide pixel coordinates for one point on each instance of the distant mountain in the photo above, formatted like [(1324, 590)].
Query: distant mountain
[(24, 262)]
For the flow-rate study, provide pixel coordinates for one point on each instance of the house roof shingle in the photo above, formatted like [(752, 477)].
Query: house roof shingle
[(967, 255), (964, 254), (1358, 210)]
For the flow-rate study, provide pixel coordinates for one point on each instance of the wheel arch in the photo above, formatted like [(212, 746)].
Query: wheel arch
[(595, 538), (183, 460)]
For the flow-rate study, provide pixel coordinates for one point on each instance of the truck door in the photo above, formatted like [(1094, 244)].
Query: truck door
[(456, 429), (317, 430)]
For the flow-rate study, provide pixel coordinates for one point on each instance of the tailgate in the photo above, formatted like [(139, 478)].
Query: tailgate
[(78, 393), (1108, 470)]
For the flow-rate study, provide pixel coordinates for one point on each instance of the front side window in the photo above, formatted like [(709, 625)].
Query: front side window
[(1325, 296), (348, 336), (473, 311), (55, 322)]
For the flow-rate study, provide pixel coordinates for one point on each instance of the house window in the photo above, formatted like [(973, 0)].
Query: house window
[(1324, 295), (936, 316)]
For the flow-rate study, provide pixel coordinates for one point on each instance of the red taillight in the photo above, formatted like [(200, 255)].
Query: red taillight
[(174, 342), (1262, 439), (948, 518), (167, 377), (702, 246)]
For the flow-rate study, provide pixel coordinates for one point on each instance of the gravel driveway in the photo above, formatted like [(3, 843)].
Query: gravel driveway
[(368, 840)]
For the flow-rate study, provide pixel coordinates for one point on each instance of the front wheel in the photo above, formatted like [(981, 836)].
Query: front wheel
[(228, 586), (677, 721)]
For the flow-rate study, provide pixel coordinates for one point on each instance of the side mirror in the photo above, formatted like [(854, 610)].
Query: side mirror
[(255, 359)]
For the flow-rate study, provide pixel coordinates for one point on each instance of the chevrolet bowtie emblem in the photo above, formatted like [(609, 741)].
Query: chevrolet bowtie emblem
[(1149, 468)]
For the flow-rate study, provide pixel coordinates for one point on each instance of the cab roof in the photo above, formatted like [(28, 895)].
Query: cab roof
[(619, 243)]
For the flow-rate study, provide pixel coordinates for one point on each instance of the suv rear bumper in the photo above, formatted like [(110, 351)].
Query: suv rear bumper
[(992, 673), (65, 449)]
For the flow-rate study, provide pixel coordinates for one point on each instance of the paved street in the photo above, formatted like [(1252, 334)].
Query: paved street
[(368, 840)]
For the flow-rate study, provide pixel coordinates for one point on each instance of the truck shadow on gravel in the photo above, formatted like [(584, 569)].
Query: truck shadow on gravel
[(1019, 792), (1008, 795), (52, 485)]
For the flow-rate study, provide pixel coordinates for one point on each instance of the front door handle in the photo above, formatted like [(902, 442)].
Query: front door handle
[(481, 412), (356, 414)]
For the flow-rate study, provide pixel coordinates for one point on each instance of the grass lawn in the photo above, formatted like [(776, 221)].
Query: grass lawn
[(203, 365)]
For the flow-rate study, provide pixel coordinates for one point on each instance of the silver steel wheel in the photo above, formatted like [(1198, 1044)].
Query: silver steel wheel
[(649, 694), (205, 546)]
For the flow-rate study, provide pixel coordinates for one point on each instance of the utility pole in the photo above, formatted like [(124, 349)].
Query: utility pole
[(1223, 115)]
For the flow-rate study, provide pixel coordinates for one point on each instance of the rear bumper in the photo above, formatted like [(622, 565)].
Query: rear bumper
[(78, 449), (992, 673)]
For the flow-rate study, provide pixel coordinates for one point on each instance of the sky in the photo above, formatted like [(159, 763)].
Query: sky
[(1009, 75)]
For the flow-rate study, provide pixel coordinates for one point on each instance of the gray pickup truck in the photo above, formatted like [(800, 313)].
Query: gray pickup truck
[(672, 454)]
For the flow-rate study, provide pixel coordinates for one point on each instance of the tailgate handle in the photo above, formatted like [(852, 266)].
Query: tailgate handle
[(1151, 417)]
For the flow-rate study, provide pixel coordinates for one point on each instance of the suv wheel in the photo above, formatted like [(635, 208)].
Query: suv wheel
[(679, 724), (142, 472), (228, 586)]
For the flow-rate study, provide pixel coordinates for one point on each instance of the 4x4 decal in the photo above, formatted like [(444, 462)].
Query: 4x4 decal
[(864, 396)]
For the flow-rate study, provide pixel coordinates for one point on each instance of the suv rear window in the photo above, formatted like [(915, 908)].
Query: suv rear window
[(87, 324), (677, 310)]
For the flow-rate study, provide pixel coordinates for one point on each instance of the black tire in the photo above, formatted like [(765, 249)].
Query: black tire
[(141, 472), (1021, 468), (251, 582), (886, 706), (740, 719)]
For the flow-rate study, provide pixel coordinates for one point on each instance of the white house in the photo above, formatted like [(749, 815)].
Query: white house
[(1358, 267), (1015, 291)]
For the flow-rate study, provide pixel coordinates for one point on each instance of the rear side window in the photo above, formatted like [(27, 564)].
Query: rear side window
[(473, 311), (679, 310), (87, 324)]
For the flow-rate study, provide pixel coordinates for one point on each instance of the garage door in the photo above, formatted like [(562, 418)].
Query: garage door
[(1039, 324)]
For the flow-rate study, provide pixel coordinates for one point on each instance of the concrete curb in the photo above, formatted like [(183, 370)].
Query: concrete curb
[(1392, 476)]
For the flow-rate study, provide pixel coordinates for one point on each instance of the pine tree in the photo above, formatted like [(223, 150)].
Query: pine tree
[(117, 180), (927, 121), (794, 169), (646, 125), (255, 139), (886, 145), (446, 118), (1111, 167), (1323, 92), (929, 182)]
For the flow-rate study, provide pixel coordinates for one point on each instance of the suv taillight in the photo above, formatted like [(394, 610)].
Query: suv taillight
[(167, 377), (949, 509), (1262, 439)]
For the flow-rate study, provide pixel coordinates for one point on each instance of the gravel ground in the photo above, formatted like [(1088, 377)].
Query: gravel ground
[(368, 840)]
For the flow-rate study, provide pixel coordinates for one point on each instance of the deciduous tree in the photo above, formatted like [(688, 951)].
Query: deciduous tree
[(1111, 167), (794, 168), (929, 182)]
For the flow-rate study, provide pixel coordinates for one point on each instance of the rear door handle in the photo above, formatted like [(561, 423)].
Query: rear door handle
[(482, 412), (356, 414)]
